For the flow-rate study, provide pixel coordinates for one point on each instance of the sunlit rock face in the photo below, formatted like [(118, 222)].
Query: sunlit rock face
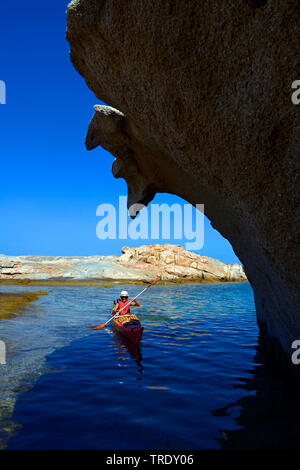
[(201, 98), (171, 263)]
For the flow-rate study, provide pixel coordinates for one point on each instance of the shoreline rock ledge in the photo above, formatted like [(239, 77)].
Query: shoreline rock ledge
[(141, 264)]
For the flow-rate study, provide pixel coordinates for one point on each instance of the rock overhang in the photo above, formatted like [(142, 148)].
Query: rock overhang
[(205, 95)]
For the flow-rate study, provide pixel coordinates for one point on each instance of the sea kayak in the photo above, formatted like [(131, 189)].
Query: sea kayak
[(129, 326)]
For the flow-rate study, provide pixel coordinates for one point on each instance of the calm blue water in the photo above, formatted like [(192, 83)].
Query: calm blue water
[(65, 386)]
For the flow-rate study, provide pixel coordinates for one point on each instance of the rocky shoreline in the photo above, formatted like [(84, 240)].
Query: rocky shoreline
[(136, 265)]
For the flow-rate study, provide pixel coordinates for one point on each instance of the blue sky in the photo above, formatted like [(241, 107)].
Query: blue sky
[(50, 185)]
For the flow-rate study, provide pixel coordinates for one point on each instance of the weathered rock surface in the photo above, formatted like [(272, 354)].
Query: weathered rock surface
[(171, 262), (201, 93)]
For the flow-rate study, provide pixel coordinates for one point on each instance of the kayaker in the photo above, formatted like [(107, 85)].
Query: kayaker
[(122, 301)]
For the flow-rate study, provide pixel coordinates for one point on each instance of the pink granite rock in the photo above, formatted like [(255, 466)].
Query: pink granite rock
[(172, 262)]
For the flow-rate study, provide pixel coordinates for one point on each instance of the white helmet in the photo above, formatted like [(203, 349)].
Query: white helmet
[(124, 293)]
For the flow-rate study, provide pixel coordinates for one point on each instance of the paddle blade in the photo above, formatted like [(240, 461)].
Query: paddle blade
[(99, 327)]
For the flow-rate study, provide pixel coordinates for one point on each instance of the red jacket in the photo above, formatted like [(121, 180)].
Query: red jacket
[(122, 304)]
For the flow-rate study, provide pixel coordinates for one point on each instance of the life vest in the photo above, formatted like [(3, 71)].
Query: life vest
[(122, 304)]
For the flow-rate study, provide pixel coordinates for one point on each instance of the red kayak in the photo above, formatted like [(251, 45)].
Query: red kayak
[(129, 326)]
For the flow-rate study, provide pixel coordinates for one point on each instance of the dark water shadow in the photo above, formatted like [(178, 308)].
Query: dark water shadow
[(73, 405), (268, 419)]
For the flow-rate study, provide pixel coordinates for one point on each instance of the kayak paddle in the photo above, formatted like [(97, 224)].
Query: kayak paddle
[(99, 327)]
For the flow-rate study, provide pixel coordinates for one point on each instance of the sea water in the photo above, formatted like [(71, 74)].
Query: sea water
[(189, 384)]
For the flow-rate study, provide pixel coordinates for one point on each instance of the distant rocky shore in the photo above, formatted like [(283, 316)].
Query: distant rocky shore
[(171, 262)]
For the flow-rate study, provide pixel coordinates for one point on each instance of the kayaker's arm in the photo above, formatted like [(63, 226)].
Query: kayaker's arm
[(116, 308), (135, 303)]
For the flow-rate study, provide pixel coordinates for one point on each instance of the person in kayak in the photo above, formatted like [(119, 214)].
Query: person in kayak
[(122, 301)]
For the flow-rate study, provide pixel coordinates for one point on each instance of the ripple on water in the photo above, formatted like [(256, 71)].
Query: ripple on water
[(70, 387)]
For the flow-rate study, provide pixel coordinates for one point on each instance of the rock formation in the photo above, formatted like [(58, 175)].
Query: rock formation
[(200, 96), (171, 262)]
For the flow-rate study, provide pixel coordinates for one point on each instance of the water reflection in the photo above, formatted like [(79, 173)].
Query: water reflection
[(104, 390), (268, 419), (122, 346)]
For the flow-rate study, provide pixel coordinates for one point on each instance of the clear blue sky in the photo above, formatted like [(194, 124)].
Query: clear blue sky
[(50, 185)]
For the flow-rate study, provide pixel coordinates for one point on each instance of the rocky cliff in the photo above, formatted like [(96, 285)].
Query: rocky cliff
[(200, 96), (171, 262)]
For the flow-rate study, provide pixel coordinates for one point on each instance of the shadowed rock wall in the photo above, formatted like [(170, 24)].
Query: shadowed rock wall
[(200, 96)]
